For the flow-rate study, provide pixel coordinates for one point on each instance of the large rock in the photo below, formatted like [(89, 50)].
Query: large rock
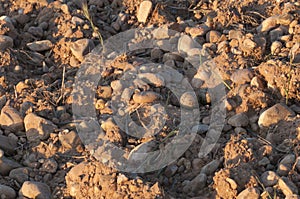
[(36, 190), (38, 128), (11, 119), (274, 114)]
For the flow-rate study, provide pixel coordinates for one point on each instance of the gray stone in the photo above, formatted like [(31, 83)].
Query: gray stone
[(7, 192), (38, 128), (6, 42), (276, 33), (211, 167), (36, 31), (7, 144), (20, 174), (82, 47), (6, 165), (239, 120), (35, 190), (242, 76), (251, 192), (198, 183), (186, 43), (11, 119), (288, 159), (39, 46), (274, 114), (144, 11), (269, 178)]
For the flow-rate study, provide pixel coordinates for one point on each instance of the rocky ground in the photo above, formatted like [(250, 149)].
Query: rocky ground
[(255, 45)]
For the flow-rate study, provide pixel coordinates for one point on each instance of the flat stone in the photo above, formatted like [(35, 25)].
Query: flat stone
[(35, 190), (82, 47), (6, 42), (39, 46), (241, 76), (274, 114), (7, 192), (251, 192), (11, 119), (269, 178), (144, 11), (38, 128), (239, 120)]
